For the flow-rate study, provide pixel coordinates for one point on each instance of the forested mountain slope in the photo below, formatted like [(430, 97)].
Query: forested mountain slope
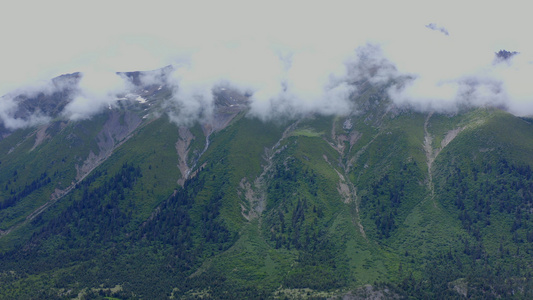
[(383, 201)]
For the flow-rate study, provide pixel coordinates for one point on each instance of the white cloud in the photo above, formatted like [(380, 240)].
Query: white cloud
[(8, 110), (279, 81), (517, 80), (97, 89)]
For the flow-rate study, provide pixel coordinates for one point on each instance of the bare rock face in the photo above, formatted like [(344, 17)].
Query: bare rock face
[(182, 147), (116, 130), (228, 104), (40, 136), (504, 55)]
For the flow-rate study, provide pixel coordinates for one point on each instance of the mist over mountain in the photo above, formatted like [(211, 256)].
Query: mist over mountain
[(292, 85), (171, 183), (287, 66)]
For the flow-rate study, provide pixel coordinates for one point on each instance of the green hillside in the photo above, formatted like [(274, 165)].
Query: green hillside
[(379, 202)]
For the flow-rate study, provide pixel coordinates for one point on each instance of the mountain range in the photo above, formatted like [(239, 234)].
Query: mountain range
[(382, 202)]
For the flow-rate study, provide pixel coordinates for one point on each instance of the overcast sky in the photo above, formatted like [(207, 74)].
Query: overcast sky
[(443, 44)]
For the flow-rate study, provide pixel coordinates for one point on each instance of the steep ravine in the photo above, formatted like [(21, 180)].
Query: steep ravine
[(431, 153), (255, 193), (346, 188)]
